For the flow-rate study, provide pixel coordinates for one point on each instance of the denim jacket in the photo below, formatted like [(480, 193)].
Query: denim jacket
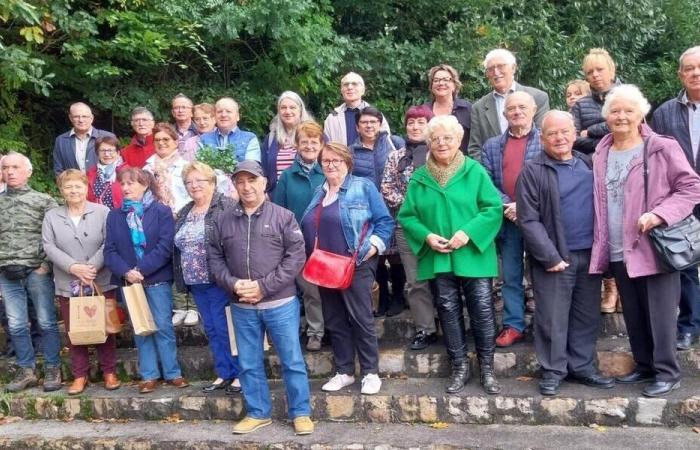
[(360, 202)]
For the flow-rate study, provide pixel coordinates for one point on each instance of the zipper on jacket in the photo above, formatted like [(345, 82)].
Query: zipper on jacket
[(247, 249)]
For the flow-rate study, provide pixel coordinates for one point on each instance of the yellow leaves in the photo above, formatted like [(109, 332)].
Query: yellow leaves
[(524, 378), (32, 34), (174, 418), (4, 420), (439, 425)]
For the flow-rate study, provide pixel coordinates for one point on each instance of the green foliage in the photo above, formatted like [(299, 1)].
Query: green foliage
[(218, 158), (117, 54)]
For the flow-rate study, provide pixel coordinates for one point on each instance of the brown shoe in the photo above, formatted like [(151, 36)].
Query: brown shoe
[(609, 297), (148, 386), (111, 382), (179, 382), (78, 386)]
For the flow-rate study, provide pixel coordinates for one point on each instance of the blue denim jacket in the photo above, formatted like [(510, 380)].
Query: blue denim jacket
[(360, 202)]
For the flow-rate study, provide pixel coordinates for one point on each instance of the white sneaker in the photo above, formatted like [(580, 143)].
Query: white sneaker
[(338, 382), (371, 384), (178, 317), (191, 318)]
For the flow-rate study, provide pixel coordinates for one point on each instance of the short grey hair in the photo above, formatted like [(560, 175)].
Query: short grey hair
[(507, 55), (628, 92), (27, 162), (526, 95), (557, 112), (228, 99), (276, 125), (449, 123), (182, 96), (690, 51), (353, 74), (141, 110)]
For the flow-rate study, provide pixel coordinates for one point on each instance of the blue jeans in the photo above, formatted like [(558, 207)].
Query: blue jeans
[(282, 324), (160, 345), (689, 316), (511, 247), (211, 302), (39, 289)]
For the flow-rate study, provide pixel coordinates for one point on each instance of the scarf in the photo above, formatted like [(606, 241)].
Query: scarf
[(443, 174), (306, 168), (106, 175), (416, 155), (134, 216)]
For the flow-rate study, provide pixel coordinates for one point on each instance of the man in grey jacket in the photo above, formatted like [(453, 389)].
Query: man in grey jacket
[(487, 113), (256, 251)]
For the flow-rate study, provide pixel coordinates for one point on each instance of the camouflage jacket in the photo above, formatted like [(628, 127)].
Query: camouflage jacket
[(21, 215)]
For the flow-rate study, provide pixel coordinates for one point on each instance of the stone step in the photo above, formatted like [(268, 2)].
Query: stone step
[(400, 401), (395, 360), (179, 434), (395, 328)]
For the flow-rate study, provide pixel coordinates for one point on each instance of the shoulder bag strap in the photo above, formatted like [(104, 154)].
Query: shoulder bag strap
[(646, 176)]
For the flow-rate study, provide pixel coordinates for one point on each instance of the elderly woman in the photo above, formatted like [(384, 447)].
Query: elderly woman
[(623, 218), (576, 89), (444, 85), (400, 165), (138, 249), (73, 236), (192, 269), (295, 188), (204, 120), (346, 214), (166, 166), (279, 146), (450, 217), (102, 178)]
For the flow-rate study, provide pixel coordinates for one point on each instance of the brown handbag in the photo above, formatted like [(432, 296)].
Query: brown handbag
[(330, 270)]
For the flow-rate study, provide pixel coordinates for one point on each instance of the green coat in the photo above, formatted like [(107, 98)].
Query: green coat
[(469, 202)]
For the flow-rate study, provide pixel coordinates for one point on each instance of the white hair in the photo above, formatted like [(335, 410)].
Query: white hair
[(276, 125), (142, 110), (227, 99), (353, 75), (27, 162), (558, 113), (628, 92), (502, 53), (690, 51), (449, 123)]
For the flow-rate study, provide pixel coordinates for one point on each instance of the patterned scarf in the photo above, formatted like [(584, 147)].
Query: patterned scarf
[(134, 215), (443, 174), (106, 175), (305, 167)]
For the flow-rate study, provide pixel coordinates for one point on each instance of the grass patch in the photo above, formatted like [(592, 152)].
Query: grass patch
[(58, 400), (86, 411), (5, 403), (31, 413)]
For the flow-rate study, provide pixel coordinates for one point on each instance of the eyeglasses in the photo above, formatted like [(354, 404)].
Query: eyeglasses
[(165, 139), (331, 162), (369, 122), (107, 151), (80, 117), (492, 69), (442, 80), (177, 108), (140, 120), (196, 182), (443, 139), (346, 84)]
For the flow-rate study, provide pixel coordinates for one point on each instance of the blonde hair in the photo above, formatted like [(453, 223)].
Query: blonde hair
[(200, 167), (208, 108), (599, 55), (341, 150), (449, 69), (581, 85), (71, 175)]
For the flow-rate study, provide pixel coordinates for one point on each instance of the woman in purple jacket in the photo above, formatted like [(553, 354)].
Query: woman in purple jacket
[(621, 242)]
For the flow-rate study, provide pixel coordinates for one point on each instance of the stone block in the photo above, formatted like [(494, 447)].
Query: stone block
[(391, 361), (409, 409), (559, 410), (428, 409), (514, 409), (378, 408), (340, 407), (504, 363), (615, 364), (432, 364), (650, 411), (608, 411)]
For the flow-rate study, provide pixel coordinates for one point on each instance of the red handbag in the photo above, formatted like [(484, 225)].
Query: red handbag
[(330, 270)]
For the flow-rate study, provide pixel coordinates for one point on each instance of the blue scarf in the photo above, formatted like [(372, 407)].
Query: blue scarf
[(134, 215)]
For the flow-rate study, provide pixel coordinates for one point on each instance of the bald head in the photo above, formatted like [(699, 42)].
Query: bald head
[(80, 116), (558, 134)]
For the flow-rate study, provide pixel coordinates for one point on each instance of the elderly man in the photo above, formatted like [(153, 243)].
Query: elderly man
[(182, 109), (75, 149), (680, 118), (503, 157), (487, 113), (25, 274), (141, 147), (555, 211), (256, 251), (340, 125), (227, 135)]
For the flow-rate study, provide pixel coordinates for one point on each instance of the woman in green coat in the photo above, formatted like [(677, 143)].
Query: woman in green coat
[(451, 216)]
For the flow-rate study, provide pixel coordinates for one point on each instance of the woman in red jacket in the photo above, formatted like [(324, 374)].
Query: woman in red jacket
[(102, 178)]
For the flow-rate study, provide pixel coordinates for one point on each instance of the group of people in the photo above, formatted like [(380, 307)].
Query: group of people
[(428, 214)]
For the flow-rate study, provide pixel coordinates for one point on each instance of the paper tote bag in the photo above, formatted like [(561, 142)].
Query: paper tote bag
[(87, 320), (232, 334), (139, 311)]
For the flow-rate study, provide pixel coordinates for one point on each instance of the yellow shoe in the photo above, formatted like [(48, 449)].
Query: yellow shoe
[(303, 425), (249, 424)]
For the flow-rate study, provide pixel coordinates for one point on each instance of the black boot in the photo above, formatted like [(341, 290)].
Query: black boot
[(382, 279), (398, 281), (458, 377), (488, 378)]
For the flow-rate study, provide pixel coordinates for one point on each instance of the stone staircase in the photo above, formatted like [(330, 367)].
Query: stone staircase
[(412, 401)]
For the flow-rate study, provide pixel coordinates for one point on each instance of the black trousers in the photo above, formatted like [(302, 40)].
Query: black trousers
[(567, 317), (348, 317), (447, 291), (650, 306)]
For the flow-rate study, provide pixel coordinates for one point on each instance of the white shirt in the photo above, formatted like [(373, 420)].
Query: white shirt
[(693, 125), (81, 146), (500, 104)]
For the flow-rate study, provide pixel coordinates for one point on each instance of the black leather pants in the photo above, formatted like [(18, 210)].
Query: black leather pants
[(447, 290)]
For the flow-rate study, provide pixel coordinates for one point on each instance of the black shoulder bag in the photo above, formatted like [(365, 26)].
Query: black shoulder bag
[(677, 246)]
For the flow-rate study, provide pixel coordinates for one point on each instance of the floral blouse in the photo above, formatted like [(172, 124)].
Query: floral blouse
[(190, 240)]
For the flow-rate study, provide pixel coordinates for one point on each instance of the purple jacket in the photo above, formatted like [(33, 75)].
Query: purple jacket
[(674, 189)]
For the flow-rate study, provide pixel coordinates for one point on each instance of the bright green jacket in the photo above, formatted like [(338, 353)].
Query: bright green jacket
[(469, 202)]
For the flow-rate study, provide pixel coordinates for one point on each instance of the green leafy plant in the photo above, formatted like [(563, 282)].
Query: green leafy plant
[(218, 158)]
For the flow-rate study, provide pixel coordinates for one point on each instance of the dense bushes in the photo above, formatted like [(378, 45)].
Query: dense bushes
[(120, 53)]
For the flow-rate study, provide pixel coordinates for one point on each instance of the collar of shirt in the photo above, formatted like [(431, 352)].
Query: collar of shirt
[(512, 89), (688, 103), (89, 133), (510, 134)]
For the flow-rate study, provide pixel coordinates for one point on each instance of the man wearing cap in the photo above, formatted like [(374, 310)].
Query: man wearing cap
[(256, 250)]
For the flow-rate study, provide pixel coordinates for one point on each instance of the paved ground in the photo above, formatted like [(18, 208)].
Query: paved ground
[(151, 435)]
